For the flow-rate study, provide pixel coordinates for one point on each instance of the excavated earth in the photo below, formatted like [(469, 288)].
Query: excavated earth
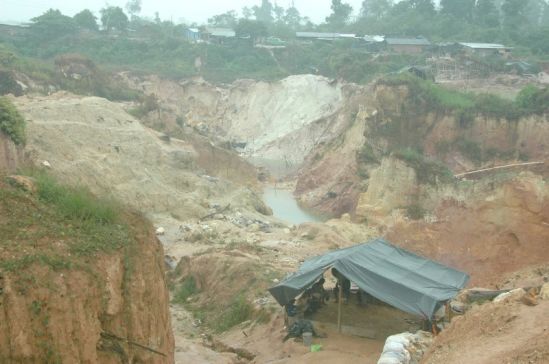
[(102, 308), (192, 171)]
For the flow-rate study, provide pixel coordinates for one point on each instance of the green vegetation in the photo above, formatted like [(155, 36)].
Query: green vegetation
[(367, 155), (11, 121), (238, 311), (185, 290), (427, 171), (75, 203), (147, 104), (415, 211), (466, 106), (59, 228)]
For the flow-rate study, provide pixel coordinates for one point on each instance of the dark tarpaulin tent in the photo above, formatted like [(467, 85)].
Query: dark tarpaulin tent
[(393, 275)]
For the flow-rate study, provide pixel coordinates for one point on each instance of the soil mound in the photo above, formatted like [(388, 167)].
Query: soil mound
[(506, 332)]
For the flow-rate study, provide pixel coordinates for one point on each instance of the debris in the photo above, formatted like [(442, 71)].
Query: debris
[(514, 295), (160, 231), (22, 182), (315, 348), (405, 348), (46, 164), (544, 292)]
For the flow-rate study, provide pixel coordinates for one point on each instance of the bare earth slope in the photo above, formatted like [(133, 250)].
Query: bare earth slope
[(94, 142), (57, 305)]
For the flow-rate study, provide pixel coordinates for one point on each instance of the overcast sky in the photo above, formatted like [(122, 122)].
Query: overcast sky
[(176, 10)]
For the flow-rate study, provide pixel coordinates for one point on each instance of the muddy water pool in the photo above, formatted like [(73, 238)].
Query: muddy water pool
[(286, 208)]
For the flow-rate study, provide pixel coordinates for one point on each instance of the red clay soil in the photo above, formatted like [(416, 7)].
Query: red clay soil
[(489, 240), (495, 333)]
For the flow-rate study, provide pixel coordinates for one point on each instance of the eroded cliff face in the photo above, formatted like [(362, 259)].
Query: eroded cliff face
[(11, 155), (57, 306), (358, 174), (275, 124)]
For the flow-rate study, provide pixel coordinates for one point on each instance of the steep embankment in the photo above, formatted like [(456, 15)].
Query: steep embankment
[(433, 140), (94, 142), (274, 124), (394, 167), (11, 155), (77, 284)]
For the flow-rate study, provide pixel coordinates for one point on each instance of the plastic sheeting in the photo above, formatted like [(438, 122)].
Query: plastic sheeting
[(393, 275)]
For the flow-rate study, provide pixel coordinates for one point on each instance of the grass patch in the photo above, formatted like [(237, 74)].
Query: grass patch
[(238, 311), (531, 100), (427, 171), (11, 121), (75, 203), (185, 290), (470, 149), (415, 211), (367, 155)]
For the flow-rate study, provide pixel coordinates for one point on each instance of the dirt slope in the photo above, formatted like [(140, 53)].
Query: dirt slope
[(278, 122), (94, 142), (495, 333), (57, 306), (499, 232)]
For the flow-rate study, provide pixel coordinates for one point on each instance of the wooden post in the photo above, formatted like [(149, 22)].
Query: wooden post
[(340, 298)]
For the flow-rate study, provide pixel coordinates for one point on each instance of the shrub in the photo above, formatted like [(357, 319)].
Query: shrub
[(415, 211), (185, 290), (11, 121), (466, 105), (238, 311), (427, 172), (8, 84), (366, 154), (534, 99), (470, 150)]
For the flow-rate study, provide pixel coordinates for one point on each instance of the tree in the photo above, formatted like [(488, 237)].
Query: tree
[(279, 13), (486, 14), (113, 17), (134, 8), (375, 8), (426, 7), (52, 24), (228, 20), (340, 14), (247, 13), (264, 12), (459, 9), (293, 17), (86, 20), (534, 12), (514, 14), (253, 28)]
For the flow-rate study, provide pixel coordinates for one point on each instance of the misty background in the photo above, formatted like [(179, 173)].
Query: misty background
[(176, 11)]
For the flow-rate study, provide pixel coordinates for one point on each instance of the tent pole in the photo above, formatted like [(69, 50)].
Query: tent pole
[(339, 308)]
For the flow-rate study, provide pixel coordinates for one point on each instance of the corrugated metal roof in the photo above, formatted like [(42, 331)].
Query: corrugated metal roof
[(374, 38), (316, 35), (407, 41), (484, 45), (221, 32)]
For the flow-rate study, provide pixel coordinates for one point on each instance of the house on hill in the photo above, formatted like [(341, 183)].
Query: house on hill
[(218, 35), (407, 45), (192, 35), (323, 36), (486, 49)]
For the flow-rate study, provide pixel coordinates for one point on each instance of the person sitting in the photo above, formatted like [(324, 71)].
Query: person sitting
[(319, 293), (342, 283), (291, 313), (315, 296)]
